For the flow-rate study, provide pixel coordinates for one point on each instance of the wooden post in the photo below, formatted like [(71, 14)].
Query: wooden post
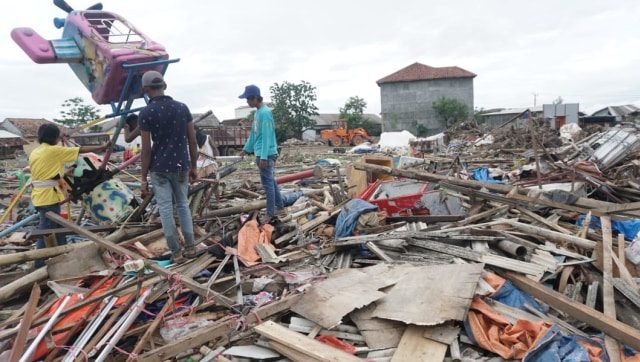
[(21, 338), (16, 287), (255, 205), (8, 259)]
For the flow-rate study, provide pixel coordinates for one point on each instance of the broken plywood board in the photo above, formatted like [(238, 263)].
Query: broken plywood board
[(415, 347), (76, 263), (378, 333), (303, 344), (431, 295), (344, 290), (444, 333)]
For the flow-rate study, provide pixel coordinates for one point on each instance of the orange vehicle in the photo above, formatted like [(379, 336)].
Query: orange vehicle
[(339, 135)]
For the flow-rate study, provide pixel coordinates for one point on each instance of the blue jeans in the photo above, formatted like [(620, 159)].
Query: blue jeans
[(46, 224), (271, 189), (167, 187)]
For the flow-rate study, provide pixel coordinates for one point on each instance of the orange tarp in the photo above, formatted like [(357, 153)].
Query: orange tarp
[(494, 333), (251, 235)]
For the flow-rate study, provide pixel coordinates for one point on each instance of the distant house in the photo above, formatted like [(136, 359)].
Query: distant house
[(27, 129), (210, 121), (9, 144), (513, 116), (625, 113), (408, 95), (560, 114)]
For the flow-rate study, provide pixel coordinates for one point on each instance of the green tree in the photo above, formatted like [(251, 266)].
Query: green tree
[(77, 113), (421, 129), (293, 108), (449, 110), (353, 112), (558, 100)]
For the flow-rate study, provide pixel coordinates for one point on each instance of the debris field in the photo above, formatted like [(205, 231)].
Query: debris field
[(514, 244)]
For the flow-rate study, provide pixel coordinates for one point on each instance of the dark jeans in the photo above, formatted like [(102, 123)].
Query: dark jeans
[(271, 189), (46, 224)]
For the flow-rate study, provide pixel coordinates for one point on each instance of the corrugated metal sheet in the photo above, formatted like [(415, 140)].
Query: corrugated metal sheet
[(612, 147)]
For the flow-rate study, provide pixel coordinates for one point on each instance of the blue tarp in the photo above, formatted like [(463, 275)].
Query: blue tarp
[(628, 228), (482, 174), (514, 297), (348, 217), (556, 347)]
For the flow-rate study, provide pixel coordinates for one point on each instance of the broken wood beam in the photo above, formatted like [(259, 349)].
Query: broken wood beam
[(16, 258), (220, 329), (303, 344), (553, 235), (16, 287), (254, 205), (478, 217), (618, 330), (25, 325), (188, 282), (34, 234)]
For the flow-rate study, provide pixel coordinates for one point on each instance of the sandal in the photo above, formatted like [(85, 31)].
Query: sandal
[(192, 253), (178, 259)]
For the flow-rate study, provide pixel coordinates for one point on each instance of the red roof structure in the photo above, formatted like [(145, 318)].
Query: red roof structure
[(417, 71)]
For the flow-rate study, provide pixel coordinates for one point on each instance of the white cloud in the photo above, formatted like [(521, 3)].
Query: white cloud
[(585, 51)]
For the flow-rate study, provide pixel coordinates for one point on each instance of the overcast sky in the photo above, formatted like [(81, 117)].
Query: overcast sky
[(586, 52)]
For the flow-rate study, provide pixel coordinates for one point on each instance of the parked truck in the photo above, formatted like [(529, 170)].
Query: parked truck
[(230, 139), (340, 135)]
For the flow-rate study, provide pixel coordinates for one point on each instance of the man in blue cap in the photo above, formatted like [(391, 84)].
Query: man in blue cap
[(262, 143)]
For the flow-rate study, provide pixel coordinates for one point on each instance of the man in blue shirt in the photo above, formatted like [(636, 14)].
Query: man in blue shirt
[(171, 161), (262, 143)]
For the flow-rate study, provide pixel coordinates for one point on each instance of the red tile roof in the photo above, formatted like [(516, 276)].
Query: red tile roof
[(417, 71), (28, 127)]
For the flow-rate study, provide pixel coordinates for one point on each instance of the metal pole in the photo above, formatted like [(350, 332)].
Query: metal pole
[(27, 356)]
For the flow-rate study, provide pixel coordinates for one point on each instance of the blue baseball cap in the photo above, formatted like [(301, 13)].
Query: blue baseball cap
[(250, 91)]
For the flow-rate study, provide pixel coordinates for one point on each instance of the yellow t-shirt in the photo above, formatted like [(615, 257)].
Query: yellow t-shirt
[(46, 162)]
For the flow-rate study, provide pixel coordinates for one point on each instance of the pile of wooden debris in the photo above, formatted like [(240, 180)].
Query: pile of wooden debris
[(517, 255)]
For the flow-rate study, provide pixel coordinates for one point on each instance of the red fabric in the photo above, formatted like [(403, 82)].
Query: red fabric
[(73, 317), (333, 341)]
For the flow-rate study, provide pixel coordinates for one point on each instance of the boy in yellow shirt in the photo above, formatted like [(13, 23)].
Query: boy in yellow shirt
[(46, 163)]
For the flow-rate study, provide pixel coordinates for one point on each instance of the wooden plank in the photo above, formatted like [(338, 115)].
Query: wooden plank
[(378, 333), (608, 297), (431, 295), (378, 252), (480, 216), (303, 344), (306, 227), (415, 347), (25, 325), (621, 331), (328, 301), (542, 220), (553, 235), (16, 287), (220, 329), (190, 283), (17, 258), (291, 353)]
